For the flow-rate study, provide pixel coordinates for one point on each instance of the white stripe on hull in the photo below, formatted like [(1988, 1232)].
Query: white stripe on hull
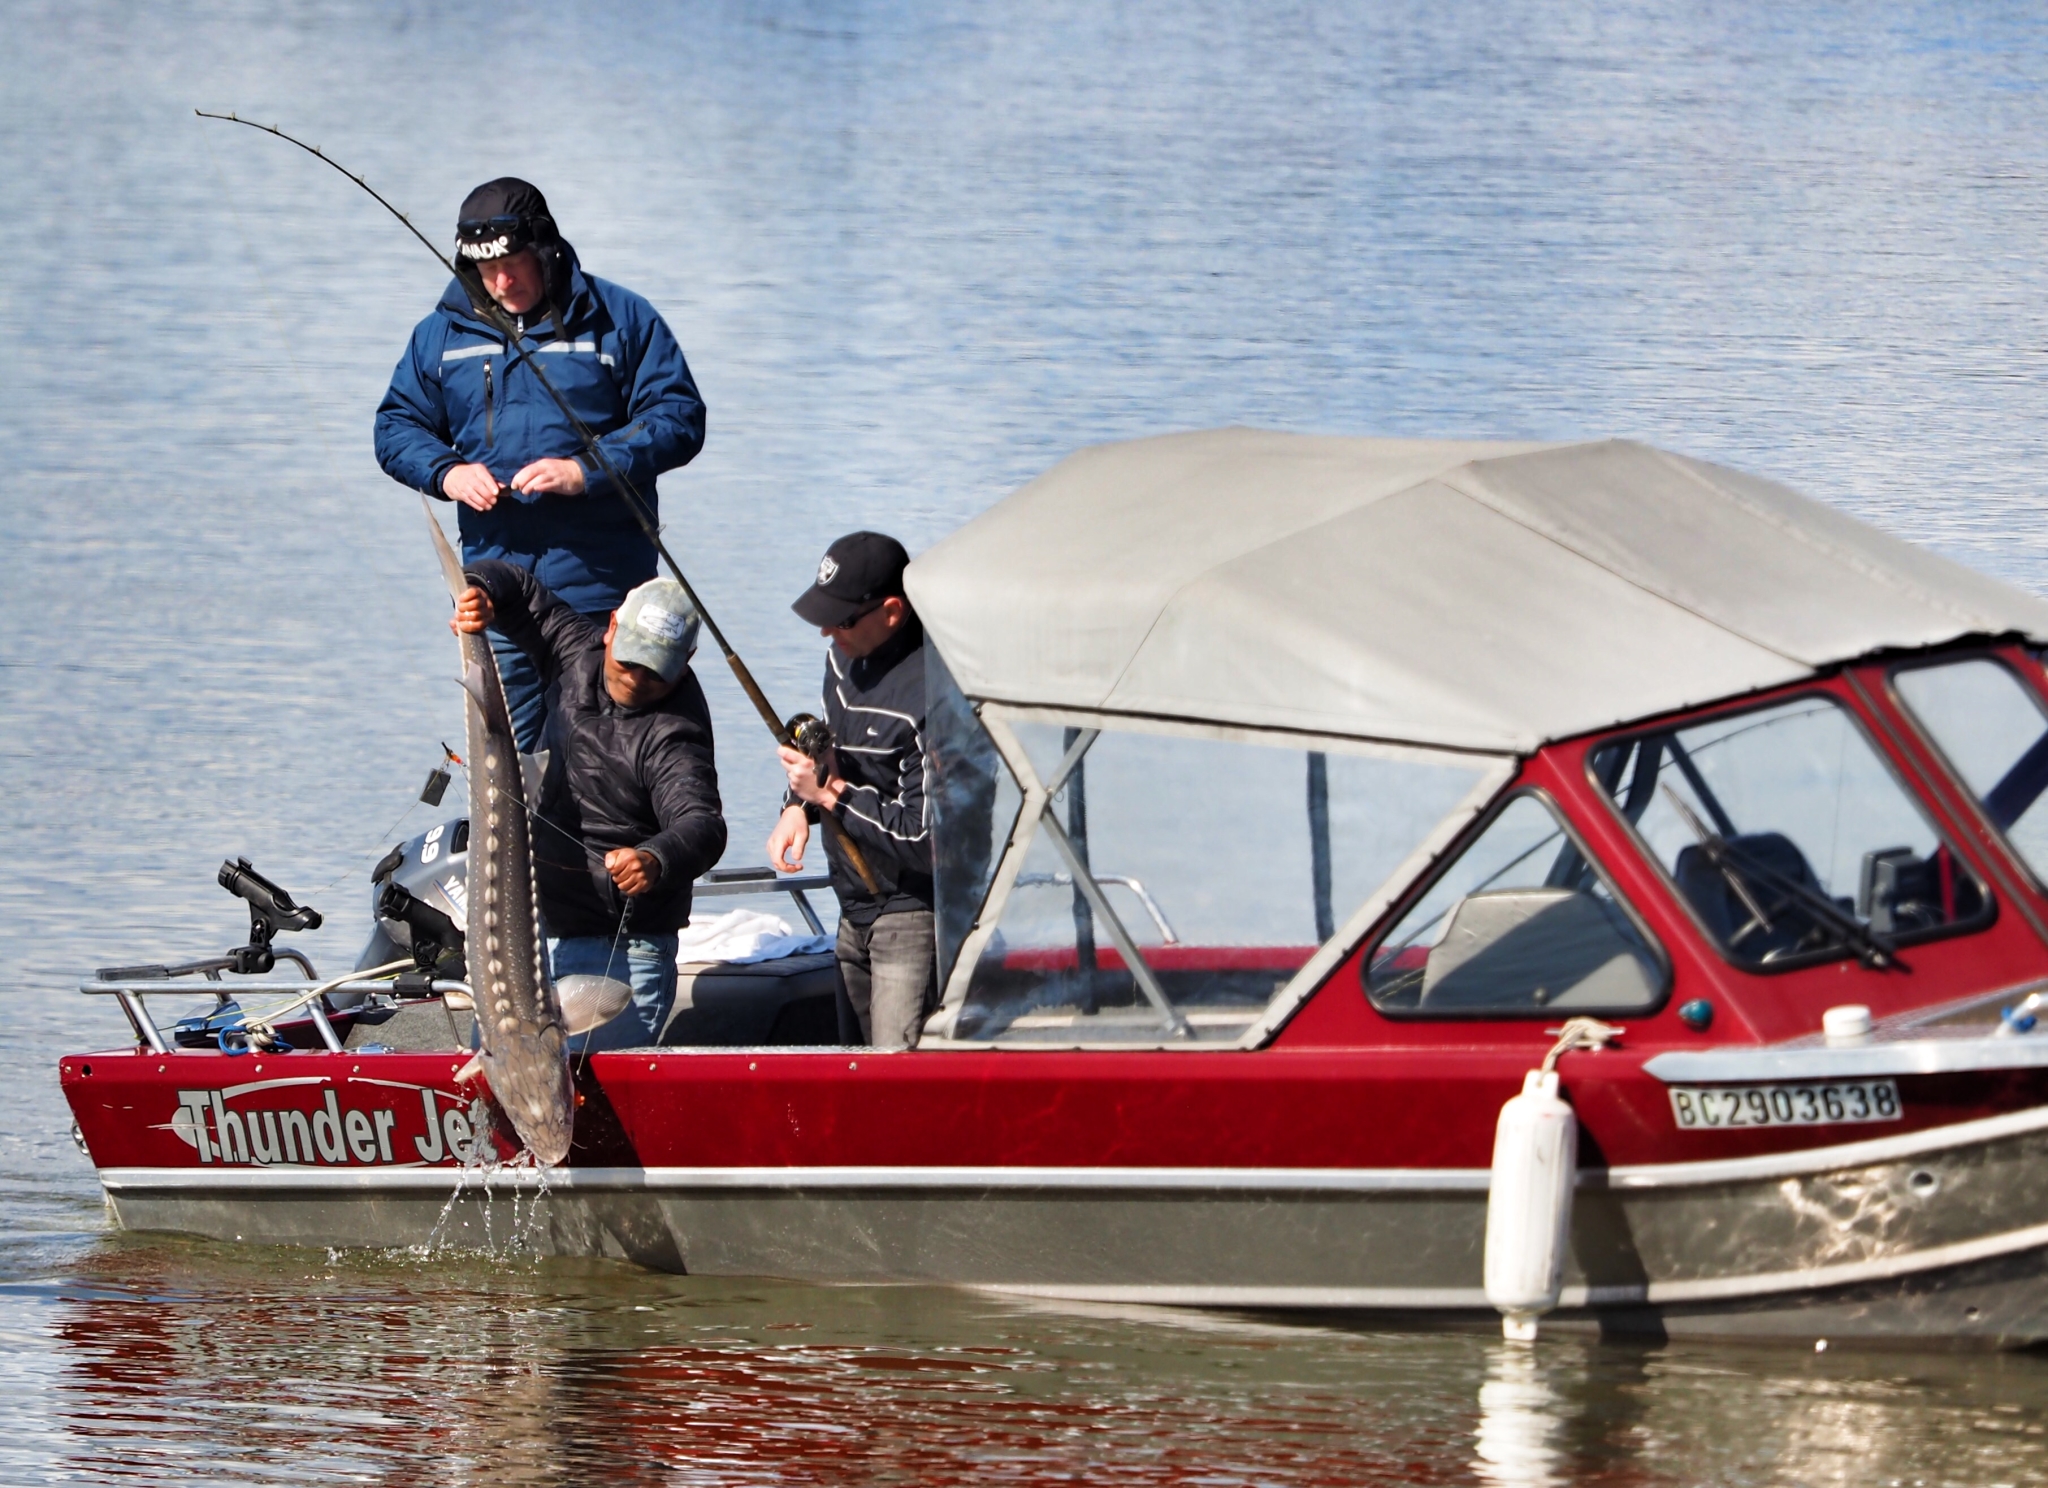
[(671, 1180), (1089, 1179), (1653, 1294)]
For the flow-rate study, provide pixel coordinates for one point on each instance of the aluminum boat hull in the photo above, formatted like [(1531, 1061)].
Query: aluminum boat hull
[(1936, 1233)]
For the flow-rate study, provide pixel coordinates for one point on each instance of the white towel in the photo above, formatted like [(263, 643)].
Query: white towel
[(743, 935)]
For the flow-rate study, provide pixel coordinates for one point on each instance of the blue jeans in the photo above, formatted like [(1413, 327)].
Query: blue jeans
[(526, 698), (646, 963)]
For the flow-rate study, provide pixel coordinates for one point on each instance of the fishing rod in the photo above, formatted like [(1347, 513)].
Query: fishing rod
[(800, 732)]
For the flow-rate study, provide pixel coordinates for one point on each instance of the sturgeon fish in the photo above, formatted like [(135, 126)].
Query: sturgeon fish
[(525, 1053)]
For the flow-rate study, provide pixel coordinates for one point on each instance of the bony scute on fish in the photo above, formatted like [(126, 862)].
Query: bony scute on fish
[(524, 1053)]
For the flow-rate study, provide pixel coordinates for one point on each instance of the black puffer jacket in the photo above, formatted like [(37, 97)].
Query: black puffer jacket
[(875, 706), (616, 776)]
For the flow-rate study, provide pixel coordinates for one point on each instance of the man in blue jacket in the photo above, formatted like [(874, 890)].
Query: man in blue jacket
[(467, 419)]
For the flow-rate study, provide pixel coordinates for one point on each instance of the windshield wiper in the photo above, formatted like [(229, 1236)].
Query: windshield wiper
[(1739, 869)]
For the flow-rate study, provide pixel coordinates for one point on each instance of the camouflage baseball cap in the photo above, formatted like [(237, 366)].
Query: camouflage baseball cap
[(657, 629)]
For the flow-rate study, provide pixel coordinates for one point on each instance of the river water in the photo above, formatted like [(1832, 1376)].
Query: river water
[(915, 253)]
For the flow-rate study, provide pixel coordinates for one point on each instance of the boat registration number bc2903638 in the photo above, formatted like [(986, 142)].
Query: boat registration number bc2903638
[(1698, 1109)]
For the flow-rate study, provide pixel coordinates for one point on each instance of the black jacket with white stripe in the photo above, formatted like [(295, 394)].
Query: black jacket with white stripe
[(875, 707)]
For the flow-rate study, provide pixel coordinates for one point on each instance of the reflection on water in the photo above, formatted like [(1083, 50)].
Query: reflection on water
[(1519, 1422), (916, 253), (369, 1369), (164, 1361)]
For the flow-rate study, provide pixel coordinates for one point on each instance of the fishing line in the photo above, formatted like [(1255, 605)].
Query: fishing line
[(284, 336), (381, 838), (467, 274), (625, 914), (533, 816), (286, 342)]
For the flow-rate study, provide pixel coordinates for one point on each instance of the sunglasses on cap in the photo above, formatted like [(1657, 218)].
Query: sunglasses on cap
[(491, 227)]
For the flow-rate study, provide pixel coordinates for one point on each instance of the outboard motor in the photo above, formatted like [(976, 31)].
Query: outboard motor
[(419, 894)]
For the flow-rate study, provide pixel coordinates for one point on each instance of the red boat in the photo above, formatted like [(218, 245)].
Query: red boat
[(1296, 799)]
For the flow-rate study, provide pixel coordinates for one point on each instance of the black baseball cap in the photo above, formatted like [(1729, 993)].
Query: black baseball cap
[(501, 218), (857, 573)]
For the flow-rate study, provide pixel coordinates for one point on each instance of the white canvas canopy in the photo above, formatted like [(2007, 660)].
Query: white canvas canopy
[(1454, 594)]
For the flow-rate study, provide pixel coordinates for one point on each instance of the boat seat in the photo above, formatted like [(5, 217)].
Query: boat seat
[(1707, 890), (1538, 948), (723, 1004), (412, 1028)]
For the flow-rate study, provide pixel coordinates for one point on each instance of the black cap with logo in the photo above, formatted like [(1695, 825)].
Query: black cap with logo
[(501, 218), (856, 574), (508, 216)]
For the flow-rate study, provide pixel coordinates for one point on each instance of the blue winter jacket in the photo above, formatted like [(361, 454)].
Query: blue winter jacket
[(458, 398)]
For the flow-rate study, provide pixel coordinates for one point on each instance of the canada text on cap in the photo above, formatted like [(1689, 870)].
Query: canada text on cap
[(501, 218)]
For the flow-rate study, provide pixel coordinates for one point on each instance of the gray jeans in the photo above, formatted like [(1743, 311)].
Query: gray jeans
[(891, 970)]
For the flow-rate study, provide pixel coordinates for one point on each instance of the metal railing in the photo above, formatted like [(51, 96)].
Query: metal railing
[(730, 883), (131, 984), (1066, 881)]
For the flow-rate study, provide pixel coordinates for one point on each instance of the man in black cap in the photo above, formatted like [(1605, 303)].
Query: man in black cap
[(468, 420), (872, 783)]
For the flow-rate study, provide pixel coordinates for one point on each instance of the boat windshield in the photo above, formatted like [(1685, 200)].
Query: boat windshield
[(1989, 725), (1788, 836), (1174, 880), (1521, 923)]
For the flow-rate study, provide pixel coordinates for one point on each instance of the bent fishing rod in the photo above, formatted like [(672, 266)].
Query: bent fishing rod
[(800, 733)]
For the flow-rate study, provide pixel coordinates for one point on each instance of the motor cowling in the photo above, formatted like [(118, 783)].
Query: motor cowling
[(432, 869), (1529, 1204)]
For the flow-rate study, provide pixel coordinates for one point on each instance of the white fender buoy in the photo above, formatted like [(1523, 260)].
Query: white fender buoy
[(1529, 1204), (1529, 1196)]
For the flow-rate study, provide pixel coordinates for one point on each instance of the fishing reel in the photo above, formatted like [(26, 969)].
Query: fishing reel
[(811, 735)]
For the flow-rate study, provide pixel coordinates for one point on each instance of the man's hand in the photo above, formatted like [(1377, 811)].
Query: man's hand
[(550, 478), (787, 842), (804, 781), (472, 485), (634, 871), (473, 611)]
